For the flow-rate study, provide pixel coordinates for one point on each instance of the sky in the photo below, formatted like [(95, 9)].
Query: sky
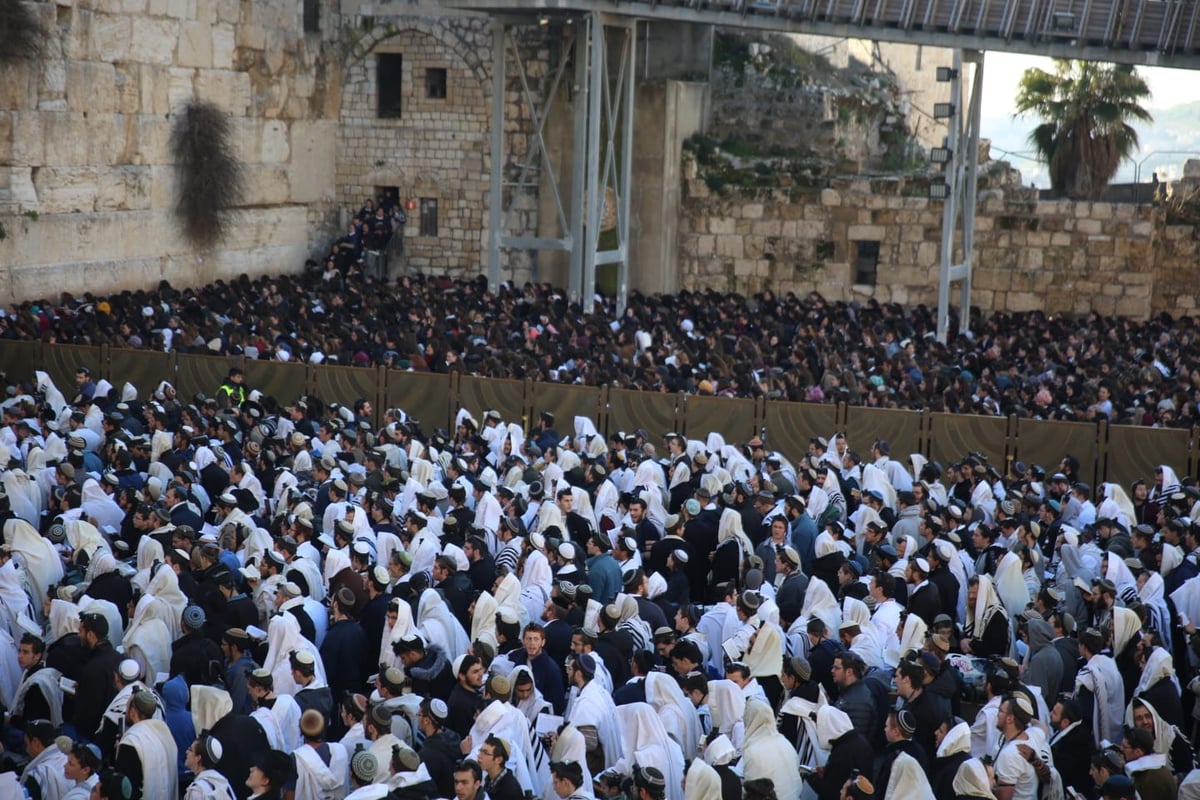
[(1002, 72)]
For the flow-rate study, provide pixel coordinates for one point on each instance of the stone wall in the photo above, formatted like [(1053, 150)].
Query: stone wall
[(438, 148), (87, 186), (1056, 256)]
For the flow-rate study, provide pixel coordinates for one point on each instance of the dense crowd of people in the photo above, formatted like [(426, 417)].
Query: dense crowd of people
[(790, 347), (250, 597)]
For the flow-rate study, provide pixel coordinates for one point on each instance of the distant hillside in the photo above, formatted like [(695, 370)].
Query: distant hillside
[(1173, 138)]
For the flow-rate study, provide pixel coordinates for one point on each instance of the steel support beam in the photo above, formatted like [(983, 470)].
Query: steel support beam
[(601, 151), (962, 175)]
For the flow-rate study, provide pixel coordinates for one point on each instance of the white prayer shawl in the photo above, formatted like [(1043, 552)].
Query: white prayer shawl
[(1117, 505), (36, 553), (255, 547), (1010, 586), (1164, 733), (508, 591), (875, 479), (336, 560), (593, 707), (1159, 665), (645, 742), (209, 785), (116, 628), (536, 577), (766, 753), (765, 656), (439, 626), (819, 602), (714, 624), (317, 781), (984, 499), (209, 704), (46, 680), (13, 593), (64, 620), (1117, 571), (156, 749), (971, 780), (287, 714), (832, 724), (727, 705), (119, 705), (266, 720), (1126, 624), (312, 575), (913, 639), (886, 620), (80, 791), (867, 644), (82, 535), (1170, 484), (46, 770), (10, 668), (424, 549), (99, 506), (908, 781), (149, 635), (283, 636), (165, 586), (393, 634), (507, 722), (676, 712), (483, 619), (818, 502), (149, 551), (24, 495), (1101, 676), (1153, 598), (571, 746)]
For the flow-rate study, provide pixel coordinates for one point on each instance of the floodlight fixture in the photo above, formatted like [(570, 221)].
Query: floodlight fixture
[(939, 191), (943, 110)]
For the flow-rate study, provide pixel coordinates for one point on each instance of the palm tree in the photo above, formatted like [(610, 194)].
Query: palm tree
[(1085, 133)]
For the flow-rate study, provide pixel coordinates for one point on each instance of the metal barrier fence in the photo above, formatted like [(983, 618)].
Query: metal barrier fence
[(1115, 453)]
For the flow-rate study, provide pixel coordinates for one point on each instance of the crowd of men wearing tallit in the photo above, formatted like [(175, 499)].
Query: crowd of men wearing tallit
[(231, 597)]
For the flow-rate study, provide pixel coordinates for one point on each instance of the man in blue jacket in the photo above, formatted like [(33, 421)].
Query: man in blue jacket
[(604, 574)]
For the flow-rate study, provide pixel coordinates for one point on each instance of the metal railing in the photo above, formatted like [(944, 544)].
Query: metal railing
[(1150, 32)]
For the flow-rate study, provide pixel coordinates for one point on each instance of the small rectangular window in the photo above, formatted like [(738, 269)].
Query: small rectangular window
[(429, 216), (435, 83), (389, 82), (866, 262), (312, 16)]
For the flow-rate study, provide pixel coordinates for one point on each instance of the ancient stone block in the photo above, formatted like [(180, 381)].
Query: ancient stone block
[(153, 40), (195, 45)]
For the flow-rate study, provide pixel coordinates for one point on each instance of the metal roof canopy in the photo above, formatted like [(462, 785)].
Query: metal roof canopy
[(1158, 33)]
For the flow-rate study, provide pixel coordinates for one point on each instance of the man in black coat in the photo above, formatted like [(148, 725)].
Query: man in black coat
[(194, 655), (924, 600), (440, 750), (95, 687), (1072, 745), (345, 651)]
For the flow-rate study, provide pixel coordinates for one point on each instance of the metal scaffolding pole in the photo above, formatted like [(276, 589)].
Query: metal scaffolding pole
[(962, 185), (601, 151)]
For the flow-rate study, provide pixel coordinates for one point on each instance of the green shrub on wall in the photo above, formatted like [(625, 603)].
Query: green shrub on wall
[(210, 177), (21, 33)]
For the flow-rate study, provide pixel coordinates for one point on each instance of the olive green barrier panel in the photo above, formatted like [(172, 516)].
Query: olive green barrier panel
[(1046, 442), (790, 426), (201, 374), (62, 360), (1134, 453), (1119, 454), (19, 360), (145, 370), (629, 410), (731, 417), (423, 395), (902, 430), (345, 385), (952, 436), (286, 382), (478, 395), (565, 402)]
